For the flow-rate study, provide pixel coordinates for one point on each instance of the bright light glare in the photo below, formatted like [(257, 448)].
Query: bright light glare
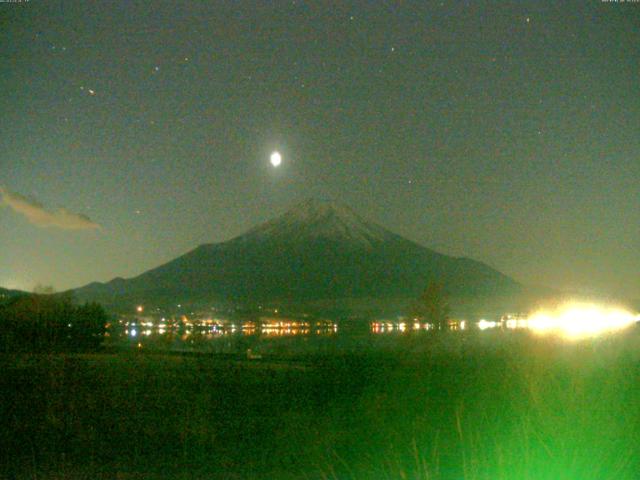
[(484, 324), (580, 320), (276, 159)]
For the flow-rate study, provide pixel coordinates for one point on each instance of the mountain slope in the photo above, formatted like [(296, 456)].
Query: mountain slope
[(316, 251), (6, 294)]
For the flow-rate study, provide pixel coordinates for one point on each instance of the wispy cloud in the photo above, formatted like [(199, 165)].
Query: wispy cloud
[(39, 216)]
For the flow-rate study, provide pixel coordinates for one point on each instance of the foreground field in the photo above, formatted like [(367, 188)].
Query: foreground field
[(451, 406)]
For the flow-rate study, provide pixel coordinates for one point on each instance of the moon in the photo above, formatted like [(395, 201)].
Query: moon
[(276, 159)]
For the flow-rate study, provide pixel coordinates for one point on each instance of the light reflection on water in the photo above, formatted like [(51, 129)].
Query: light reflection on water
[(299, 337), (267, 337)]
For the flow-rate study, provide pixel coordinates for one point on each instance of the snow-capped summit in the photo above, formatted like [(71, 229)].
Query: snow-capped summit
[(322, 219)]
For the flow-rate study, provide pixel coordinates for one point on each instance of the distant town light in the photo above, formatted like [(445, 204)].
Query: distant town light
[(484, 324)]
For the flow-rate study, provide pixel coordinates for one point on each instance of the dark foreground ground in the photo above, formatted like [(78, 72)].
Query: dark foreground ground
[(484, 406)]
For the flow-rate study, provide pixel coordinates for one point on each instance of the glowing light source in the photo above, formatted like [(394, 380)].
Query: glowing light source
[(579, 320), (484, 324), (139, 309), (276, 159)]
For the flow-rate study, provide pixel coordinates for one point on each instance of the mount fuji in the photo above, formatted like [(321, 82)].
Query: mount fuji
[(318, 251)]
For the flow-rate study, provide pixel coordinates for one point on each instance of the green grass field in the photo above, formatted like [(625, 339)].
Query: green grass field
[(479, 406)]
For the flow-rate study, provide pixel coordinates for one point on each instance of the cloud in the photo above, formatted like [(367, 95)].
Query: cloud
[(39, 216)]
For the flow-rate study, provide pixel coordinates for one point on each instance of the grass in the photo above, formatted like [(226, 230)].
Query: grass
[(478, 406)]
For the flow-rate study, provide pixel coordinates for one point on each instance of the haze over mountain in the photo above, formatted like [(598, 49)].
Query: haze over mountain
[(317, 251)]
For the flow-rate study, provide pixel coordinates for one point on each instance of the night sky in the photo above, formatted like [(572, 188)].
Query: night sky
[(508, 132)]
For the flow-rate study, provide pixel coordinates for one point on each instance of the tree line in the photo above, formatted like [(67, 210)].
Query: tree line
[(46, 323)]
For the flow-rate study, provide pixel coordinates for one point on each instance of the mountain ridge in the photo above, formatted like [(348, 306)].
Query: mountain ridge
[(319, 250), (7, 294)]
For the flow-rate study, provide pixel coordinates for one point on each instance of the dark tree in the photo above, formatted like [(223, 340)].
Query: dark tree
[(40, 323), (88, 326), (433, 306)]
